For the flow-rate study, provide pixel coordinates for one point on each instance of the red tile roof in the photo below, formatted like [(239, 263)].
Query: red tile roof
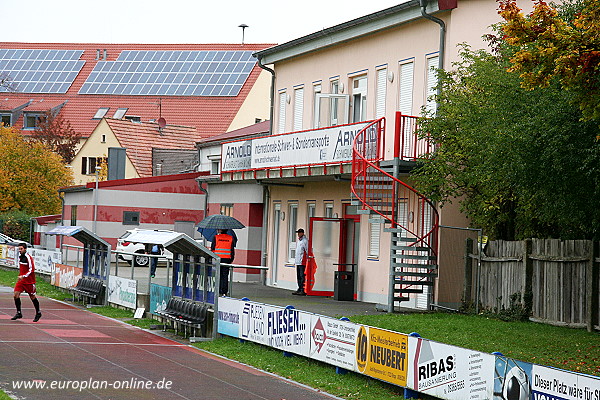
[(260, 128), (140, 138), (209, 115)]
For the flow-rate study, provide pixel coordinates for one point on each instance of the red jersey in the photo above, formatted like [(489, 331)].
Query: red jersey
[(26, 268)]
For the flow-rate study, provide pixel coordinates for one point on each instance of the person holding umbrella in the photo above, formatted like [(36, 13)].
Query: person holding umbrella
[(222, 245)]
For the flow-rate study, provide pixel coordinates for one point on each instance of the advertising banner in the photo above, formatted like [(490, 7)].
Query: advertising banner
[(554, 384), (122, 291), (320, 146), (236, 156), (44, 260), (512, 379), (382, 354), (229, 317), (8, 255), (278, 327), (449, 372), (333, 341), (65, 276), (159, 297)]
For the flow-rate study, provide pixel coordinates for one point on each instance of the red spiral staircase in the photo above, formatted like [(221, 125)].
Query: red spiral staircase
[(381, 190)]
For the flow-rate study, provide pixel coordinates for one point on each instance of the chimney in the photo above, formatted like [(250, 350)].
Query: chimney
[(104, 55), (97, 54)]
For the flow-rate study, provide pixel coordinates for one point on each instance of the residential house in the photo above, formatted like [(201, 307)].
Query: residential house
[(369, 79)]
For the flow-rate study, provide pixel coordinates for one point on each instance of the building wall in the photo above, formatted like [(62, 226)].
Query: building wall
[(160, 201), (94, 146), (246, 201), (415, 41), (256, 105)]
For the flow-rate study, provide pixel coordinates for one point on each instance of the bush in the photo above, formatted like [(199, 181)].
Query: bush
[(16, 224)]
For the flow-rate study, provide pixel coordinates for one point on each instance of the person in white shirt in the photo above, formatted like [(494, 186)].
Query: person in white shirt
[(300, 261)]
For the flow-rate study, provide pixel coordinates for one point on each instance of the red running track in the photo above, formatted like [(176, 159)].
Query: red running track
[(72, 353)]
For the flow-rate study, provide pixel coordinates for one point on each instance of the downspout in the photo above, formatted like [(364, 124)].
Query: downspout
[(442, 54), (442, 25), (263, 245), (272, 95), (266, 194)]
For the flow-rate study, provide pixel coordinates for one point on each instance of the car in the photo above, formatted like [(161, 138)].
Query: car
[(5, 239), (140, 259)]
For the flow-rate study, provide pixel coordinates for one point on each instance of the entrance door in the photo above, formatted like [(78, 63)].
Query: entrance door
[(327, 243)]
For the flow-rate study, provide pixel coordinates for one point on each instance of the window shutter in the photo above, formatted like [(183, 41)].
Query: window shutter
[(432, 64), (298, 108), (84, 165), (281, 122), (406, 88), (374, 239), (381, 93)]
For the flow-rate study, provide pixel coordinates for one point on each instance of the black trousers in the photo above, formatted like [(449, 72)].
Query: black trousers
[(300, 269), (224, 283)]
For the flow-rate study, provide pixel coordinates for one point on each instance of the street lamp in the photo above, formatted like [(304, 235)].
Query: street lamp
[(98, 168)]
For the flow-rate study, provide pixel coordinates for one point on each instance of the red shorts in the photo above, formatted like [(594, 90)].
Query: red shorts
[(21, 287)]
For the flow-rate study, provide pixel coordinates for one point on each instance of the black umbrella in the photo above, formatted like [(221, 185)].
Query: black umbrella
[(220, 221)]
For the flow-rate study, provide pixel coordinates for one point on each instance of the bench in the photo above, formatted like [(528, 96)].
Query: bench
[(88, 288), (185, 313)]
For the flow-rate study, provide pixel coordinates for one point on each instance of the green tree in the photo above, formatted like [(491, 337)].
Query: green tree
[(521, 162), (30, 175), (557, 43)]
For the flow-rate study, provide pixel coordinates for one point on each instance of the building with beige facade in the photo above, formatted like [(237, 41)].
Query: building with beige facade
[(367, 79)]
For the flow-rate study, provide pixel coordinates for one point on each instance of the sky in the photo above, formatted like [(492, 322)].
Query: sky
[(175, 21)]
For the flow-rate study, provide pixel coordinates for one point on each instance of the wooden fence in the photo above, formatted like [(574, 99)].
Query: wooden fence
[(557, 279)]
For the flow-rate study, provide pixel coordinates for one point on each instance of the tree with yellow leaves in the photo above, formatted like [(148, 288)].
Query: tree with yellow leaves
[(30, 175), (557, 43)]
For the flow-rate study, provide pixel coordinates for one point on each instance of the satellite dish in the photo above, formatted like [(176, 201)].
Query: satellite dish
[(162, 123)]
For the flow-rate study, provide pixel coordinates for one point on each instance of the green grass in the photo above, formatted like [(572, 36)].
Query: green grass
[(4, 396), (309, 372), (570, 349)]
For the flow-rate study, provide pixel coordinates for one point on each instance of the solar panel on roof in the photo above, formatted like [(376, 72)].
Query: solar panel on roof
[(171, 73), (40, 71)]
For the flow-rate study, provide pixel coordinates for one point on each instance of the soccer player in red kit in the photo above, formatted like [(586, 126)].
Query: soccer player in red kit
[(26, 283)]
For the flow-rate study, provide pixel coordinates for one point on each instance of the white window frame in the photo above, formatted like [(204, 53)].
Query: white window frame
[(311, 211), (298, 108), (406, 79), (334, 100), (292, 218), (281, 115), (359, 95), (431, 80), (381, 95), (317, 88), (374, 238)]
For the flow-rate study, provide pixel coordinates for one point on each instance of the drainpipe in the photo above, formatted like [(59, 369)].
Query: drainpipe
[(272, 95), (442, 32), (266, 196), (263, 246), (442, 54)]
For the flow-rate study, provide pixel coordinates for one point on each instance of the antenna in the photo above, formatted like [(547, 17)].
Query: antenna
[(243, 26)]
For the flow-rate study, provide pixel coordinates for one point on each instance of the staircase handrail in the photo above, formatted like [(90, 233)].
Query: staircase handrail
[(361, 164)]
